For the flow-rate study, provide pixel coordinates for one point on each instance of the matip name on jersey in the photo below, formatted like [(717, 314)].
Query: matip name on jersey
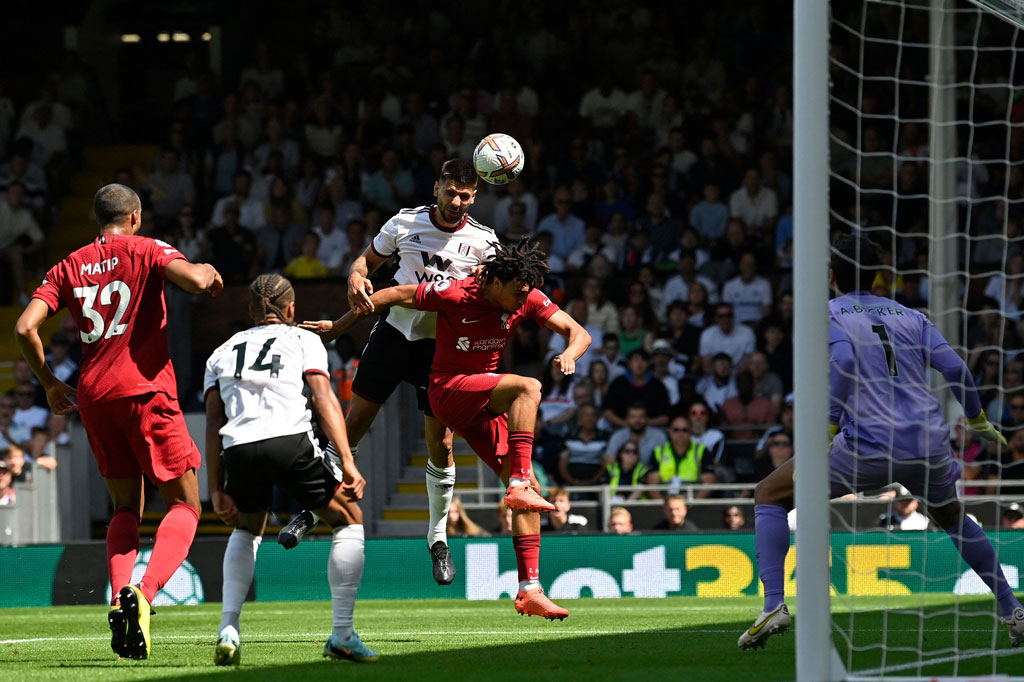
[(105, 265)]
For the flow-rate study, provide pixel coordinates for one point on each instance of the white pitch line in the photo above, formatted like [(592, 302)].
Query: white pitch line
[(869, 674)]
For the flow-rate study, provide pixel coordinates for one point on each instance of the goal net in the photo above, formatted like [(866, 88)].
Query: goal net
[(926, 138)]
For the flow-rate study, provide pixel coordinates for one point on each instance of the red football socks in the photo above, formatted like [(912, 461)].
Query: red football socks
[(173, 538), (520, 454), (527, 556), (122, 548)]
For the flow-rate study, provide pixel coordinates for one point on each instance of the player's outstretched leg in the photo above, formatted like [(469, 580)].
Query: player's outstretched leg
[(771, 540), (531, 600), (344, 572), (239, 566), (440, 479), (977, 550), (122, 548)]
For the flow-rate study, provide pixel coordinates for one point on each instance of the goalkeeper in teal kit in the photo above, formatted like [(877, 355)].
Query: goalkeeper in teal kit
[(887, 427)]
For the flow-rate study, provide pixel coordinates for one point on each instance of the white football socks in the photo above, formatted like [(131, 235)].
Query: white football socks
[(239, 565), (344, 572), (514, 482), (440, 489)]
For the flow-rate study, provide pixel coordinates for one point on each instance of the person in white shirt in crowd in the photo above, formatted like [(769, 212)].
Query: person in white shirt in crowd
[(755, 205), (677, 288), (250, 210), (737, 341), (720, 384), (592, 245), (749, 293), (19, 236), (639, 431), (49, 142), (63, 367), (905, 514), (27, 415), (666, 368), (333, 240), (603, 106), (517, 191)]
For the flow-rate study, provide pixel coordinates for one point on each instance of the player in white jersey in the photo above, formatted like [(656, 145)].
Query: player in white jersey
[(432, 243), (258, 434)]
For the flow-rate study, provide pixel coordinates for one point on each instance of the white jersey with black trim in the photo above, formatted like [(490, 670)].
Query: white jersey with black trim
[(261, 375), (429, 252)]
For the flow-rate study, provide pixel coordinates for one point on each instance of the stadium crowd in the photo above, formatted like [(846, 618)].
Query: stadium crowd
[(658, 181)]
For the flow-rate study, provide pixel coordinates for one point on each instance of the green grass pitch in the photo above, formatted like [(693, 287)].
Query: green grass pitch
[(624, 639)]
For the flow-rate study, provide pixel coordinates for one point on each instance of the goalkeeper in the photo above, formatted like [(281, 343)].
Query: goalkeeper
[(887, 427)]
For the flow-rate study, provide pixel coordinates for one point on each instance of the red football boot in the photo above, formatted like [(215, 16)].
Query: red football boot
[(536, 603), (525, 498)]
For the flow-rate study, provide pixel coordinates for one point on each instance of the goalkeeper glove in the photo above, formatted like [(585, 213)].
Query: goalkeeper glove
[(983, 427), (833, 429)]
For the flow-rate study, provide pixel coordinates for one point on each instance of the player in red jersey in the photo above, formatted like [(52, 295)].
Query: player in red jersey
[(495, 413), (127, 396)]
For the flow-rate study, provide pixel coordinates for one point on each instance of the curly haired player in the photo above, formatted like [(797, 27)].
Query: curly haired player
[(494, 413)]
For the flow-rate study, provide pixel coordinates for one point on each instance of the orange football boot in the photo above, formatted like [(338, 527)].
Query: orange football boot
[(536, 603), (525, 498)]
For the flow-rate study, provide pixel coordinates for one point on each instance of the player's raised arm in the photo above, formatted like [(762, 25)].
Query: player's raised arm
[(951, 366), (26, 331), (195, 278), (328, 411), (579, 340), (360, 289), (403, 295)]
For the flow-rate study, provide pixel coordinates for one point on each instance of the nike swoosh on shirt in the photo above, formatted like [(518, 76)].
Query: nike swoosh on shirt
[(465, 321)]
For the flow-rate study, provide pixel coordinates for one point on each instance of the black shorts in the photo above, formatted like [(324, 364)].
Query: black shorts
[(294, 462), (389, 359)]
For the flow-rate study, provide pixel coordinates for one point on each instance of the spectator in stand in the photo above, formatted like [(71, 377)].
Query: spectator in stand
[(346, 209), (22, 373), (699, 307), (306, 265), (746, 409), (582, 460), (333, 242), (291, 154), (600, 311), (777, 449), (755, 205), (251, 215), (1008, 289), (609, 354), (785, 424), (562, 520), (323, 132), (459, 523), (1011, 466), (6, 420), (20, 236), (580, 258), (49, 139), (38, 448), (603, 106), (391, 186), (516, 228), (278, 243), (733, 518), (719, 385), (726, 337), (567, 229), (969, 449), (59, 360), (232, 248), (169, 188), (682, 336), (905, 514), (616, 236), (681, 460), (633, 334), (639, 431), (7, 495), (700, 431), (612, 201), (709, 216), (1013, 517), (224, 161), (31, 176), (748, 292), (767, 383), (27, 415), (675, 519), (638, 385), (778, 351), (627, 470), (666, 369), (662, 229), (599, 380), (620, 521), (518, 193), (556, 399)]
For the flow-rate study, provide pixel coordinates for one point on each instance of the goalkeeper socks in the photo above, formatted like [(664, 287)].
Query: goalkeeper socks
[(122, 548), (440, 488), (771, 540), (239, 565), (528, 560), (520, 456), (977, 550), (174, 536), (344, 572)]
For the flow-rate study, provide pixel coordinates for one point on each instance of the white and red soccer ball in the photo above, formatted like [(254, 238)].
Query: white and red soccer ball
[(499, 159)]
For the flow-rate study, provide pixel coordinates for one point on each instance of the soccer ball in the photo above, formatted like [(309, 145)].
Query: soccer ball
[(499, 159)]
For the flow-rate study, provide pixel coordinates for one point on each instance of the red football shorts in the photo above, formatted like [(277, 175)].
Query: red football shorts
[(141, 434), (460, 402)]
